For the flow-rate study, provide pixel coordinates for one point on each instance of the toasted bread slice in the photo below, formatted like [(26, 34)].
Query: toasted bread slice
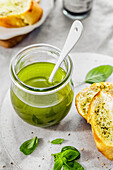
[(19, 13), (101, 109), (83, 99)]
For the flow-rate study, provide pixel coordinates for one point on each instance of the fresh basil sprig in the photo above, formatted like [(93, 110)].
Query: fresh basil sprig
[(66, 159), (57, 141), (29, 146), (99, 74)]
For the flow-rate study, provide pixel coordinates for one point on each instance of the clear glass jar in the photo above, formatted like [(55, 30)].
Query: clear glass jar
[(43, 106), (77, 9)]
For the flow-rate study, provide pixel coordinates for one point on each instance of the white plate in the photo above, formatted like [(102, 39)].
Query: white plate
[(14, 131), (6, 33)]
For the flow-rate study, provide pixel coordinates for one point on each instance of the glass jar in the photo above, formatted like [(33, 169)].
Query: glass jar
[(40, 106), (77, 9)]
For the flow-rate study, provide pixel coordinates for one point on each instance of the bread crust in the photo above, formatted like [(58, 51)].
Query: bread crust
[(77, 100), (102, 147), (105, 148), (77, 105), (29, 17)]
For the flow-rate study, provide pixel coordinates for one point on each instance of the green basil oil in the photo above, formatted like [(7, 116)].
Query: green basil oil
[(42, 110)]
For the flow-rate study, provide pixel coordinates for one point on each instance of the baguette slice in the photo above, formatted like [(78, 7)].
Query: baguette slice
[(19, 13), (83, 99), (101, 109)]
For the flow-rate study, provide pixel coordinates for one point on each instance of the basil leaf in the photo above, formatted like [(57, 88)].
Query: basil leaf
[(29, 146), (57, 155), (70, 155), (58, 164), (70, 164), (99, 74), (71, 148), (76, 166), (36, 120), (57, 141), (65, 167)]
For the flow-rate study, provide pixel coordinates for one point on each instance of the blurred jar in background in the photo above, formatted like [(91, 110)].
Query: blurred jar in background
[(77, 9)]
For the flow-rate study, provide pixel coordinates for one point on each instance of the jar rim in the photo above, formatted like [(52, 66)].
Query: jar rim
[(36, 90)]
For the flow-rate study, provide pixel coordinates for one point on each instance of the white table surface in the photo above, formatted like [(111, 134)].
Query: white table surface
[(97, 37)]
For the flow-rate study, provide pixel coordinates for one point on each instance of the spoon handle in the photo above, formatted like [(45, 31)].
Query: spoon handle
[(73, 36)]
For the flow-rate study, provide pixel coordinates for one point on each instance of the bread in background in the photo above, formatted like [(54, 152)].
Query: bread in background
[(19, 13)]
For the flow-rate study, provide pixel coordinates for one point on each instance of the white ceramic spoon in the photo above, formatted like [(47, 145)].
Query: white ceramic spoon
[(73, 36)]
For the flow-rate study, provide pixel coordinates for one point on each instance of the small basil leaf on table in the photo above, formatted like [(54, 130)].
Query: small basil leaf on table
[(99, 74), (71, 148), (70, 155), (58, 164), (57, 141), (29, 146)]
